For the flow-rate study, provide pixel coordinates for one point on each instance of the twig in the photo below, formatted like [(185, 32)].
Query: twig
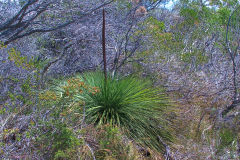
[(91, 150)]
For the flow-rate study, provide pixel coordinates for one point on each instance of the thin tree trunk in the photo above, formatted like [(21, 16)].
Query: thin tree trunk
[(232, 55)]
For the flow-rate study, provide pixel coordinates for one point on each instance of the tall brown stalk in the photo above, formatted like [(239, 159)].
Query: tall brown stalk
[(104, 46)]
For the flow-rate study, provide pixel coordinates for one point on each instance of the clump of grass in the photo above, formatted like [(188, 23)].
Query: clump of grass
[(129, 103)]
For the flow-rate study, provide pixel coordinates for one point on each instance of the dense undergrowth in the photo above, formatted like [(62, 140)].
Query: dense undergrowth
[(86, 116), (128, 103)]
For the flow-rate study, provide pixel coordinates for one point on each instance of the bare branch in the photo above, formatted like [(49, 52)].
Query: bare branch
[(24, 22)]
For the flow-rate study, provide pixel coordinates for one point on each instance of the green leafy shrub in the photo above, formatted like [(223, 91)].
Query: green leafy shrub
[(60, 140), (227, 137), (190, 14), (2, 45), (64, 143), (223, 15), (111, 145), (19, 60)]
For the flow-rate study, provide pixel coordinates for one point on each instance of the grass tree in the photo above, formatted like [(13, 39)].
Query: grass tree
[(131, 104)]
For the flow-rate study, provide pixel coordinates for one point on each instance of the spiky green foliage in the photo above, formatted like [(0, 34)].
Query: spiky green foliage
[(130, 103)]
